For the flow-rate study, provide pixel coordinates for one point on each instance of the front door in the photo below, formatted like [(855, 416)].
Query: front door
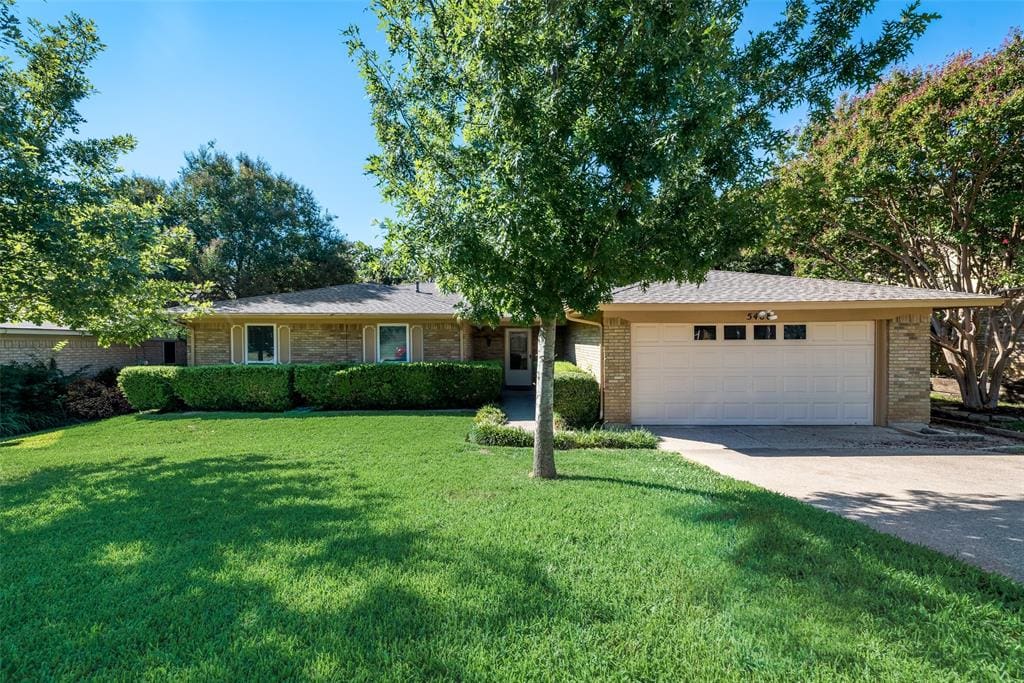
[(517, 358)]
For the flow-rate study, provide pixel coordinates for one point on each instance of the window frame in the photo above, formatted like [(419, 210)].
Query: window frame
[(408, 343), (807, 329), (774, 337), (245, 344), (741, 326), (714, 331)]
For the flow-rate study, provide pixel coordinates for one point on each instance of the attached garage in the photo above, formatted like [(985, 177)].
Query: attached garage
[(815, 373)]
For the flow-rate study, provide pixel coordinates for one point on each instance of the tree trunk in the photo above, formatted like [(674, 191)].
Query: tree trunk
[(544, 436)]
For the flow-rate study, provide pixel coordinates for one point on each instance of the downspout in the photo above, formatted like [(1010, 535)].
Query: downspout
[(600, 354)]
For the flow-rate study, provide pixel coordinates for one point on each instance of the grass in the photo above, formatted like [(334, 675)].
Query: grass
[(942, 400), (386, 547)]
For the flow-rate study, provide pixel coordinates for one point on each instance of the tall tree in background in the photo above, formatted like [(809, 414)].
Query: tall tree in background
[(542, 152), (921, 182), (73, 251), (256, 231)]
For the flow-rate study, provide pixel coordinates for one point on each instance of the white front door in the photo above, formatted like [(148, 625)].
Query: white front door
[(518, 368), (754, 373)]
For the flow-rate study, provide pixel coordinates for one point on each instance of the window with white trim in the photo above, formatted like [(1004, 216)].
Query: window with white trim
[(260, 346), (393, 343)]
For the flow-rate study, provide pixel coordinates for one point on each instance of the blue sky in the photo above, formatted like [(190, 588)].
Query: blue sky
[(273, 80)]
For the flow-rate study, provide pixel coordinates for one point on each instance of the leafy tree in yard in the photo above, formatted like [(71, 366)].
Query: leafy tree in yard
[(921, 182), (542, 152), (72, 250), (256, 231), (385, 265)]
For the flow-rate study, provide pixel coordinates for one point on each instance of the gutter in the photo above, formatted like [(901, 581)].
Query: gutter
[(600, 355)]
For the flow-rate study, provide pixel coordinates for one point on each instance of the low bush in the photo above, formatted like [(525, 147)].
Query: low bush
[(92, 400), (490, 414), (490, 429), (149, 387), (577, 395), (32, 396), (400, 385), (235, 387), (316, 384)]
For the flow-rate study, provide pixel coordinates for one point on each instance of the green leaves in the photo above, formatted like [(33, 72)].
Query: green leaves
[(540, 154), (921, 182), (256, 231), (74, 252)]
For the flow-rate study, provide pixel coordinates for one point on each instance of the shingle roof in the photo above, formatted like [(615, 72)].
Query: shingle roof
[(720, 287), (727, 287), (355, 299), (45, 328)]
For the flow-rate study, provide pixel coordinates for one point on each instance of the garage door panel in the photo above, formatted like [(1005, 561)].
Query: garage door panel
[(645, 334), (824, 379)]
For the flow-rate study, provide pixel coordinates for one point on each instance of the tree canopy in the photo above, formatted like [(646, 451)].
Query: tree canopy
[(73, 250), (255, 231), (540, 153), (921, 182)]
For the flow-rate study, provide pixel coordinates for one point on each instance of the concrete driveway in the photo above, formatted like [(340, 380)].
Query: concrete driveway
[(961, 496)]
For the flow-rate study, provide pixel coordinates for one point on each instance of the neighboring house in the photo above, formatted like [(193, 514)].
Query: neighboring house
[(738, 349), (74, 350)]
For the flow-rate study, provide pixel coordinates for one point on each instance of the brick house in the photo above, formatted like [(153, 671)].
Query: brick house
[(740, 348), (74, 350)]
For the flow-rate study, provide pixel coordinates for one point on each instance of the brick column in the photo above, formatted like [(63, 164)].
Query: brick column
[(909, 377), (617, 371)]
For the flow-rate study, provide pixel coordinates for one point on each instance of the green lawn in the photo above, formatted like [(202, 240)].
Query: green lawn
[(386, 547)]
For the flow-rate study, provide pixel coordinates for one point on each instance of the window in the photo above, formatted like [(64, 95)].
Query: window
[(794, 331), (735, 332), (170, 353), (259, 344), (393, 343), (704, 333), (764, 331)]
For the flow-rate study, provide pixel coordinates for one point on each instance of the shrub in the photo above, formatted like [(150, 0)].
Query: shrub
[(107, 376), (234, 387), (92, 400), (149, 387), (489, 434), (32, 396), (316, 384), (490, 414), (401, 385), (577, 395), (490, 429)]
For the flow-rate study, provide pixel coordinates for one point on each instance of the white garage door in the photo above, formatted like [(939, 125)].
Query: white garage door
[(775, 373)]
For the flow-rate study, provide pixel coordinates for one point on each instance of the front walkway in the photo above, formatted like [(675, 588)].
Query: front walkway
[(520, 406), (962, 497)]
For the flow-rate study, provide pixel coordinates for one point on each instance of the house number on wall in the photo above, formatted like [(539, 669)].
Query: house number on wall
[(762, 315)]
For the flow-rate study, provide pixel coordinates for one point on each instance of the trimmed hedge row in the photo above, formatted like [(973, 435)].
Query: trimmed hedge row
[(577, 395), (338, 386), (148, 388), (412, 385), (490, 429)]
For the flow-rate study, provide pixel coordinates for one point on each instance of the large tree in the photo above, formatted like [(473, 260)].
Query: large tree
[(73, 250), (256, 231), (921, 182), (542, 152)]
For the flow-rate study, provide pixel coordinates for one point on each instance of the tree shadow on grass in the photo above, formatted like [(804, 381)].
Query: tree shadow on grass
[(819, 566), (241, 567)]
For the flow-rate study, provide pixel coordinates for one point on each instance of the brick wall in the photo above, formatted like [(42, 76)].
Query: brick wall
[(316, 342), (909, 369), (617, 373), (1015, 372), (441, 341), (210, 343), (78, 352), (583, 346), (326, 343)]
